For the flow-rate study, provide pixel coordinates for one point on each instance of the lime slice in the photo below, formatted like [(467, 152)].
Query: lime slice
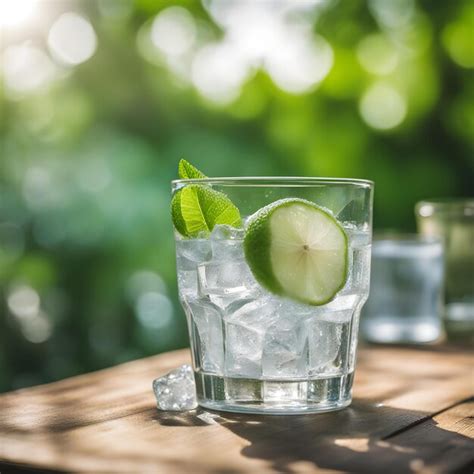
[(297, 249)]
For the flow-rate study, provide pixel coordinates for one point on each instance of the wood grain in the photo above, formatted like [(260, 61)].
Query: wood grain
[(412, 412)]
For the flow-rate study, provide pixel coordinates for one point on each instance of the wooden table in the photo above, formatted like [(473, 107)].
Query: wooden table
[(412, 412)]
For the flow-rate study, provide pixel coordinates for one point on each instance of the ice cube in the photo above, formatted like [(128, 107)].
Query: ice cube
[(341, 308), (191, 252), (226, 278), (285, 349), (207, 332), (227, 243), (324, 341), (295, 310), (227, 232), (245, 324), (176, 390), (187, 283)]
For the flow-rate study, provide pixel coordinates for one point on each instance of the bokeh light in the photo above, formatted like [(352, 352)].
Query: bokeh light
[(26, 69), (392, 13), (72, 39), (458, 39), (382, 107), (37, 329), (144, 281), (377, 54), (173, 31), (24, 302), (154, 310), (299, 65), (14, 12), (218, 72)]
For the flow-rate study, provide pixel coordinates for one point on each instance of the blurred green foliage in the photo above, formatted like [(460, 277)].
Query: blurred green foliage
[(87, 273)]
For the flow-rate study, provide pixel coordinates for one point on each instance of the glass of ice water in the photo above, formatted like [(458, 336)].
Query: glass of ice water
[(257, 351), (405, 302), (453, 221)]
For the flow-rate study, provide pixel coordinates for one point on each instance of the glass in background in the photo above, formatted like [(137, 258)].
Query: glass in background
[(453, 221), (405, 301)]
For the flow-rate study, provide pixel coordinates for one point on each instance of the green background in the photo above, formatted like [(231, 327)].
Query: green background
[(88, 151)]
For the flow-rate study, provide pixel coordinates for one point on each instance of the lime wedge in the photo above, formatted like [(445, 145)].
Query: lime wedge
[(297, 249)]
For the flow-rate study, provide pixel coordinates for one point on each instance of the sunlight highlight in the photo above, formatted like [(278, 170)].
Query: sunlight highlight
[(15, 12), (359, 445)]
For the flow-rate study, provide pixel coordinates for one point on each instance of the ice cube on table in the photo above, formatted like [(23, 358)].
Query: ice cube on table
[(176, 390), (285, 349), (207, 333), (227, 243), (245, 326)]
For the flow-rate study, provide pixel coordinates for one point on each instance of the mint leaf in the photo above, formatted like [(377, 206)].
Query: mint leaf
[(187, 171), (196, 209), (176, 216)]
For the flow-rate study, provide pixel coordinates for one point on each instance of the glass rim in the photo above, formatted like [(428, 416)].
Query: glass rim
[(428, 207), (283, 181)]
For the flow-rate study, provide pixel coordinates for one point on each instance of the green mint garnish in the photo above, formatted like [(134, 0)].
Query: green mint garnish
[(187, 171), (197, 208)]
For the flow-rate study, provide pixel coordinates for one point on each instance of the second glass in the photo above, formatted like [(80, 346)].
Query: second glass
[(254, 351), (405, 302), (452, 220)]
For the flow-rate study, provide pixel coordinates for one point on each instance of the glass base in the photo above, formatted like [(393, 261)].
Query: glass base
[(394, 330), (273, 397)]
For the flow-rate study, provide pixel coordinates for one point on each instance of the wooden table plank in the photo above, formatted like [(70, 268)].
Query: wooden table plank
[(107, 421)]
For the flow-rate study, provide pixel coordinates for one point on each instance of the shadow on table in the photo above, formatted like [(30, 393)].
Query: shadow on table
[(362, 438)]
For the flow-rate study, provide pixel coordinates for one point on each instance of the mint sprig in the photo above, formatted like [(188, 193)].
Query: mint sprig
[(197, 208), (187, 171)]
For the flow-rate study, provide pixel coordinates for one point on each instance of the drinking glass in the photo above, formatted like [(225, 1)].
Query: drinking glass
[(453, 221), (405, 302), (254, 351)]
